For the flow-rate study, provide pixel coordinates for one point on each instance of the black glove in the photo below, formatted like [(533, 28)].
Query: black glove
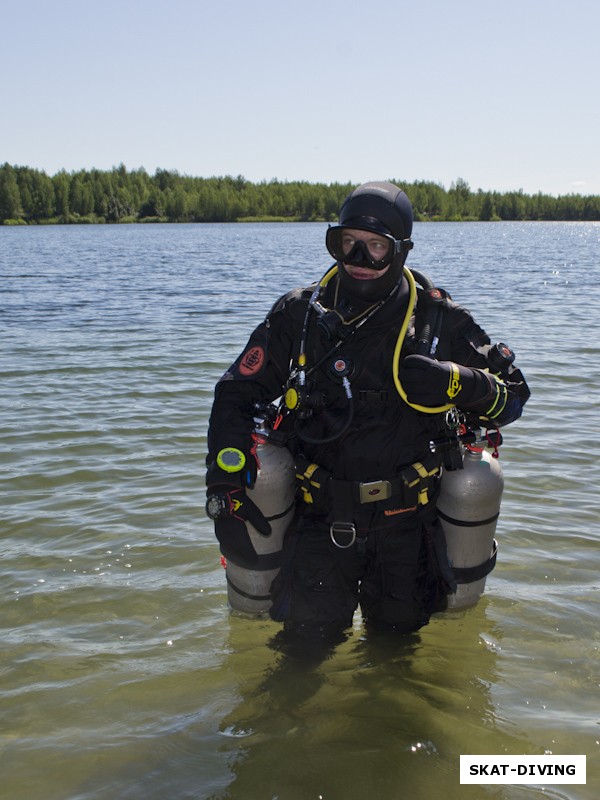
[(231, 508), (436, 383), (223, 501)]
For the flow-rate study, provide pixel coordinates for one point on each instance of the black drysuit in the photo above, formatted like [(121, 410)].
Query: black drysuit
[(396, 568)]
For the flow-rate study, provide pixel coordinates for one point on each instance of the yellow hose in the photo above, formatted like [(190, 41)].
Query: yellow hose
[(412, 301), (398, 349), (328, 276)]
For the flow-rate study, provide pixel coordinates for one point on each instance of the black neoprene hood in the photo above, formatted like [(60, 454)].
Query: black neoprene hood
[(380, 207)]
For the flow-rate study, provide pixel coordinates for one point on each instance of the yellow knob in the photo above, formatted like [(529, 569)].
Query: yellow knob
[(291, 399)]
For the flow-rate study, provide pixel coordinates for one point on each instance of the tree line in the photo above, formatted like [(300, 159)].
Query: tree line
[(30, 196)]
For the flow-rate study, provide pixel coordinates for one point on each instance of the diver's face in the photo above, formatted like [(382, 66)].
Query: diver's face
[(377, 246)]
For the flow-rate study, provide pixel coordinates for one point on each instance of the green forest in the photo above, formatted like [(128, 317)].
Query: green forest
[(30, 196)]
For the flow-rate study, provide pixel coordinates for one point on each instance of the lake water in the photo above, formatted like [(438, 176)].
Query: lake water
[(123, 674)]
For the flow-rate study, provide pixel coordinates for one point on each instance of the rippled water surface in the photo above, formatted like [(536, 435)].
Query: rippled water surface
[(123, 675)]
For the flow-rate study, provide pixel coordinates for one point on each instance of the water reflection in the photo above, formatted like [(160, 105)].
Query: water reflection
[(110, 360), (381, 714)]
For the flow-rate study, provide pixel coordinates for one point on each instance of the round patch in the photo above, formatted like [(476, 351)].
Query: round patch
[(252, 361)]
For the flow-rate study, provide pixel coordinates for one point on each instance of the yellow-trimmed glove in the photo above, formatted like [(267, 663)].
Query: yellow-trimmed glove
[(435, 383)]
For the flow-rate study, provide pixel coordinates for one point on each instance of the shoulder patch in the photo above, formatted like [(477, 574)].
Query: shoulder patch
[(252, 361)]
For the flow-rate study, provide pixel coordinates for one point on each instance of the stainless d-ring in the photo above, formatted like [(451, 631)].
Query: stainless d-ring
[(345, 529)]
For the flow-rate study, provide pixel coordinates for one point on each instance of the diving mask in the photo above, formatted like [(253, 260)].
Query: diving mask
[(363, 248)]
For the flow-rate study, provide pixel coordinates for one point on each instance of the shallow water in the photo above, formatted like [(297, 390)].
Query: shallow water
[(123, 675)]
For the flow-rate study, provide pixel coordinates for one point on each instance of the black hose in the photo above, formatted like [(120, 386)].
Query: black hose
[(422, 279), (432, 318), (328, 439)]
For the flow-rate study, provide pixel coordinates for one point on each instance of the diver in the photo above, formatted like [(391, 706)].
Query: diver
[(373, 370)]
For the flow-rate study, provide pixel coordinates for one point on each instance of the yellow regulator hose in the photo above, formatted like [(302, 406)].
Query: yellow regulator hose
[(398, 349), (412, 301), (328, 276)]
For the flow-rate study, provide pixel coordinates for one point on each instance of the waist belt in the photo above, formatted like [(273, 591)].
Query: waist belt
[(342, 499), (410, 487)]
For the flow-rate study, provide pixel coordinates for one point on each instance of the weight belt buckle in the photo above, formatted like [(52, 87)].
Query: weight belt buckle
[(374, 490)]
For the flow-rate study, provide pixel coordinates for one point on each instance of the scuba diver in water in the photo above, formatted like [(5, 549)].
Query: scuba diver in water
[(375, 377)]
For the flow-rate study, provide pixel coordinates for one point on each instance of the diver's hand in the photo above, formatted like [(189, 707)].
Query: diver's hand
[(227, 501), (435, 383)]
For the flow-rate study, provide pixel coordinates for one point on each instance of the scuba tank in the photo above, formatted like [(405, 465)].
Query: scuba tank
[(471, 485), (468, 507), (274, 493)]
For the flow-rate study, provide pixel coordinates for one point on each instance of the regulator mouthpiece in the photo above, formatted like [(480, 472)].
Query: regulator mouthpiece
[(333, 323)]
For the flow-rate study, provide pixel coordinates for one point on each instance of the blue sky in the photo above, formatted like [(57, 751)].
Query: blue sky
[(503, 95)]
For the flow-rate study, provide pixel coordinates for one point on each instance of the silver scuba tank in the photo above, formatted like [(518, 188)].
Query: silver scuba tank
[(274, 493), (468, 507)]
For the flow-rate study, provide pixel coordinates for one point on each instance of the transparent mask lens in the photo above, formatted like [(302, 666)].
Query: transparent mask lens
[(361, 248)]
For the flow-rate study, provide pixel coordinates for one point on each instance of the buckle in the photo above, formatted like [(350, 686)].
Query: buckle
[(374, 490), (343, 534)]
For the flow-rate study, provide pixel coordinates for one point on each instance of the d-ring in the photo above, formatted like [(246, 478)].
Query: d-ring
[(346, 531)]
